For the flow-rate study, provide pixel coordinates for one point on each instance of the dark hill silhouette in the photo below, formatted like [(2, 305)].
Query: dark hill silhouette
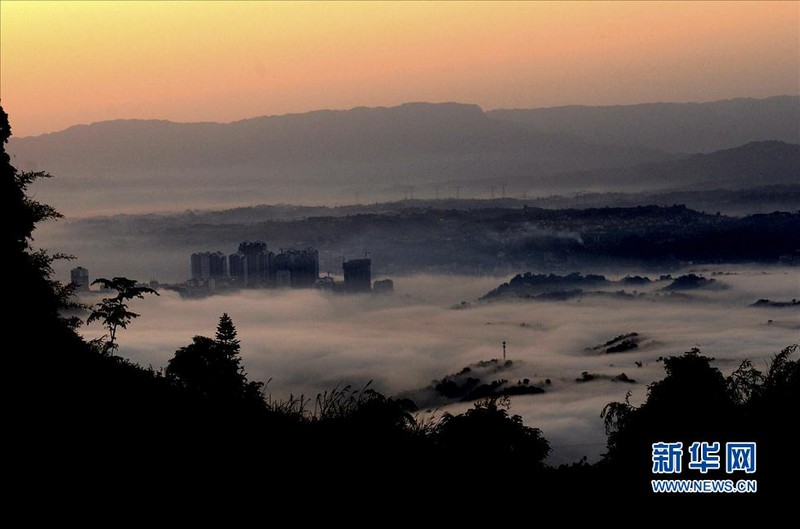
[(756, 164), (672, 127)]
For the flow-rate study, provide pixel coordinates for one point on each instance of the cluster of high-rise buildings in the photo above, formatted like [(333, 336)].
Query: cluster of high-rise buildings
[(255, 266)]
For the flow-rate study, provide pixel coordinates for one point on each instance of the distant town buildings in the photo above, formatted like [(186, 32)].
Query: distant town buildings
[(79, 276), (254, 266)]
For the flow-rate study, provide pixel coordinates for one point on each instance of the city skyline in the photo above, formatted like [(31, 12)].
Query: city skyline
[(253, 265)]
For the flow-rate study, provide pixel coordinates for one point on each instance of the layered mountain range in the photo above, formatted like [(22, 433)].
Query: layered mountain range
[(417, 149)]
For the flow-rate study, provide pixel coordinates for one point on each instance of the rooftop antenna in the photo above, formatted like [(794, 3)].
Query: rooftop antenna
[(491, 190), (504, 350), (458, 192), (503, 188), (437, 191)]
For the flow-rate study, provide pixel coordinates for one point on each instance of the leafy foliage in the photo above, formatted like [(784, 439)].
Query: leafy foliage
[(37, 296), (695, 402), (113, 312), (487, 430)]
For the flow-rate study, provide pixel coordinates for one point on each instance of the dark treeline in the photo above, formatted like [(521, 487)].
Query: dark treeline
[(482, 239), (200, 428)]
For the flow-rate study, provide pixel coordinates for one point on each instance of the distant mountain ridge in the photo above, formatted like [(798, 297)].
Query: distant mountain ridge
[(457, 134), (672, 127), (332, 157)]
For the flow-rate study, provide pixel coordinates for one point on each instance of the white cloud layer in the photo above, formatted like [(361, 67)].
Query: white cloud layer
[(308, 341)]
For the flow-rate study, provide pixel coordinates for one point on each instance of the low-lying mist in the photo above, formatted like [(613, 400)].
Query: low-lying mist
[(308, 341)]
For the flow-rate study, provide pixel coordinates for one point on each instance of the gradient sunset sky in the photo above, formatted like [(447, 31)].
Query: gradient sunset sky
[(65, 63)]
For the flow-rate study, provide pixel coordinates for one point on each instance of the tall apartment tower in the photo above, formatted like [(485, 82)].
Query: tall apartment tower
[(200, 266), (217, 265), (207, 265), (296, 268), (357, 275), (80, 278), (256, 263), (236, 266)]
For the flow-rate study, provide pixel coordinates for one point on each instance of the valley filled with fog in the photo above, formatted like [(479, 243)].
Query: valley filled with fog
[(390, 250), (485, 196), (310, 341)]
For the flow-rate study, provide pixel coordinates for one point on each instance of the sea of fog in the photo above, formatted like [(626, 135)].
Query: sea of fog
[(308, 341)]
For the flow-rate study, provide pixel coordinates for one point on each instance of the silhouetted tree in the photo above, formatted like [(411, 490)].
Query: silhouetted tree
[(226, 335), (74, 411), (487, 432), (692, 401), (113, 312), (212, 367), (695, 402), (36, 296)]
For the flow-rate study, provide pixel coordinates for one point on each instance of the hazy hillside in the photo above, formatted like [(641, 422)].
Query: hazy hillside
[(754, 164), (496, 240), (319, 156), (446, 134), (377, 154), (672, 127)]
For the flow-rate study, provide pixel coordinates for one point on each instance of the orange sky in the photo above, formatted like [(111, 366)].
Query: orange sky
[(65, 63)]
